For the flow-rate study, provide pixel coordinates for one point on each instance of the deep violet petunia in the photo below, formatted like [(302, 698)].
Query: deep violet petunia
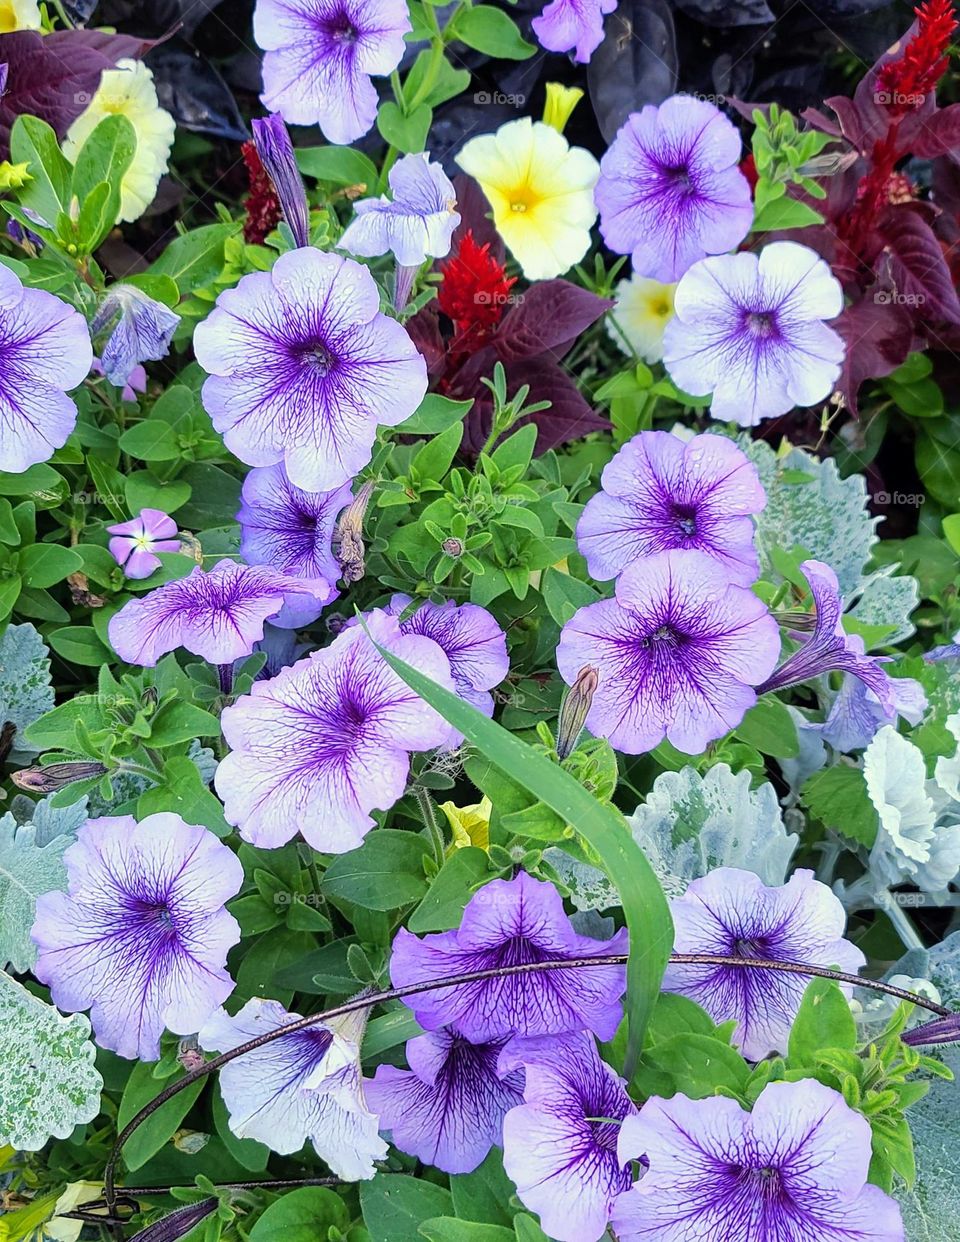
[(46, 352), (218, 614), (304, 1086), (560, 1145), (320, 56), (135, 544), (733, 913), (750, 330), (447, 1109), (510, 922), (327, 741), (284, 526), (142, 329), (792, 1170), (415, 225), (677, 653), (670, 189), (140, 938), (661, 492), (302, 367), (277, 156), (573, 26)]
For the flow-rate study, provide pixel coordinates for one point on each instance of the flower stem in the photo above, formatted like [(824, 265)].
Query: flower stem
[(428, 813)]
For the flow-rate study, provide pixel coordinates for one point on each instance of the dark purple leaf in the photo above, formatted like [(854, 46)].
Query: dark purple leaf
[(726, 13), (424, 330), (192, 90), (940, 135), (475, 216), (547, 318), (636, 63), (878, 334), (917, 265)]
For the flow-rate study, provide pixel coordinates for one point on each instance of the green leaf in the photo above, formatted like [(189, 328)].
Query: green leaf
[(485, 1193), (25, 690), (564, 595), (40, 483), (785, 213), (388, 1031), (9, 594), (79, 645), (248, 1152), (45, 564), (151, 440), (49, 1083), (434, 458), (179, 722), (394, 1206), (838, 797), (699, 1064), (195, 258), (338, 165), (433, 415), (386, 872), (34, 142), (406, 133), (644, 906), (769, 727), (26, 870), (951, 530), (104, 158), (144, 491), (450, 1229), (156, 1131), (304, 1215), (824, 1020), (450, 891), (214, 497), (490, 30)]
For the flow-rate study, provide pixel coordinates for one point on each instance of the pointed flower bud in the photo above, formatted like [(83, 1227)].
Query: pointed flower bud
[(349, 537), (55, 776), (560, 103), (574, 709), (276, 154)]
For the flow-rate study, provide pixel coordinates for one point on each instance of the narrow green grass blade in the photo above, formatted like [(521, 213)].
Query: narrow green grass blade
[(644, 905)]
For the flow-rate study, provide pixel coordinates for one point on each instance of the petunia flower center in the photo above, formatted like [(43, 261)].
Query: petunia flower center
[(317, 357), (342, 30), (685, 518), (761, 324), (523, 198)]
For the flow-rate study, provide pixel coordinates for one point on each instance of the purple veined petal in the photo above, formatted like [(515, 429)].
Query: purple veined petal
[(520, 920), (660, 492), (447, 1109), (320, 746), (573, 25), (670, 191), (678, 653), (732, 913), (141, 936), (417, 224), (794, 1169), (277, 156), (560, 1145), (284, 526), (142, 331)]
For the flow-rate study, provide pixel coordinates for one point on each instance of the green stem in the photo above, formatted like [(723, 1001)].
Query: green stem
[(428, 813)]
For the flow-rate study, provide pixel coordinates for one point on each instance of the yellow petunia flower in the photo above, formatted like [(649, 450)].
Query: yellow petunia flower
[(129, 91), (19, 15), (470, 825), (541, 192), (642, 311)]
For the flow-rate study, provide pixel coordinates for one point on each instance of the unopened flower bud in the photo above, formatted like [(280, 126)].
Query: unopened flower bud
[(56, 776), (574, 709), (348, 540), (453, 547), (276, 154)]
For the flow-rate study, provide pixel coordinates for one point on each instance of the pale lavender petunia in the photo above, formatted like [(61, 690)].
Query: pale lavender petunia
[(304, 1086), (135, 544), (750, 329), (324, 743), (670, 189), (415, 225), (660, 492), (447, 1109), (733, 913), (284, 526), (573, 26), (507, 922), (856, 713), (677, 653), (217, 614), (142, 329), (560, 1145), (830, 648), (46, 352), (320, 56), (303, 366), (140, 938), (276, 153), (792, 1170)]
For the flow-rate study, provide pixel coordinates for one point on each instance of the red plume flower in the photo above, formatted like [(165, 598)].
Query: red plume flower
[(903, 84), (474, 293), (262, 204)]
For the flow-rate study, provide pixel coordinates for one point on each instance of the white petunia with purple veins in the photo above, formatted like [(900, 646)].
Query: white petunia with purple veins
[(415, 225), (751, 330), (142, 331), (141, 936), (303, 366)]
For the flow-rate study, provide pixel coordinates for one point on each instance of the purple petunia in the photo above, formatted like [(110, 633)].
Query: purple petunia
[(278, 158), (677, 652), (794, 1169), (749, 329), (447, 1109), (320, 56), (303, 365), (670, 191), (560, 1145), (135, 544), (142, 331), (733, 913), (288, 528), (509, 922), (660, 492), (141, 936), (218, 614), (573, 26), (46, 352), (856, 713), (307, 1085), (320, 746), (417, 224)]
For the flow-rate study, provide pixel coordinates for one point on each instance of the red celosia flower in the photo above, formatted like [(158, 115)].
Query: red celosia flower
[(748, 166), (903, 84), (262, 204), (474, 293)]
